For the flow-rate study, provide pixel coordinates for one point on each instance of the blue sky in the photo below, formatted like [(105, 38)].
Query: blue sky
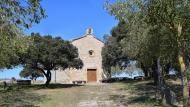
[(69, 19)]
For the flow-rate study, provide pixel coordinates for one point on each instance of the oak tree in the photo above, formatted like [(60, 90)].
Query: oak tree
[(49, 53)]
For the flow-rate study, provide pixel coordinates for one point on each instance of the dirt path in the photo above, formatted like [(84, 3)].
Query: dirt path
[(101, 95)]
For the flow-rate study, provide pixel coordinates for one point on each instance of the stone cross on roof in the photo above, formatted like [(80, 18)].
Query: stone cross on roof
[(89, 31)]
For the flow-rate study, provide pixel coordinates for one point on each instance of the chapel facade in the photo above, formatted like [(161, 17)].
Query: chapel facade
[(89, 49)]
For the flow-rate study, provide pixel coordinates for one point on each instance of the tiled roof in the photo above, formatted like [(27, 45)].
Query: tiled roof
[(86, 36)]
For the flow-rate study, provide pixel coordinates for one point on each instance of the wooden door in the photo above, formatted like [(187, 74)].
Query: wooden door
[(91, 75)]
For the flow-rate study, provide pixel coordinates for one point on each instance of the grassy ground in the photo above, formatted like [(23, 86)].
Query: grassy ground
[(128, 94)]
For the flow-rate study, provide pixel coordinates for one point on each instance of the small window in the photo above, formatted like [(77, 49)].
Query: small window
[(91, 53)]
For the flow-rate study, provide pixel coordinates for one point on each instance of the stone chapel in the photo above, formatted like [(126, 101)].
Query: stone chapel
[(89, 49)]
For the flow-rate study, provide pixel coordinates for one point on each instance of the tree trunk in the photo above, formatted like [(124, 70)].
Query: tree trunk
[(151, 75), (167, 68), (146, 73), (160, 83), (184, 82), (155, 73), (155, 77), (159, 76), (48, 77), (144, 70), (46, 74)]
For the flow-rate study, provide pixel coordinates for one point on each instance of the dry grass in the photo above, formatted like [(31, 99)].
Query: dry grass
[(128, 94), (131, 94)]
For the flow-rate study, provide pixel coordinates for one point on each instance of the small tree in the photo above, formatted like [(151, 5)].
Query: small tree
[(16, 15), (28, 72), (48, 53), (112, 52)]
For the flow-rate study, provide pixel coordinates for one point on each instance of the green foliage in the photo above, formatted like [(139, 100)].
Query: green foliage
[(161, 32), (16, 15), (116, 69), (152, 30), (48, 53), (12, 43), (30, 73), (22, 13), (112, 51)]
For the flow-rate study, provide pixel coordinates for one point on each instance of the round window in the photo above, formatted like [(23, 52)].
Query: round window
[(91, 53)]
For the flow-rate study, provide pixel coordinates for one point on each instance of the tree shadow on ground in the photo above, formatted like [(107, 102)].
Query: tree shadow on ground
[(119, 99), (20, 98), (50, 86), (127, 100), (140, 92), (178, 91), (22, 95)]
